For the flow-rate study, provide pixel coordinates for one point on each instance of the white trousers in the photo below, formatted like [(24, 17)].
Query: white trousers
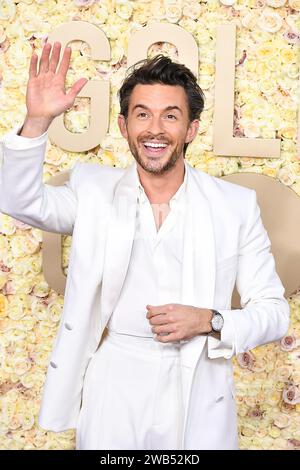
[(132, 396)]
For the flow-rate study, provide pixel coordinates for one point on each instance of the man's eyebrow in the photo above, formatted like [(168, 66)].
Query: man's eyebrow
[(168, 108)]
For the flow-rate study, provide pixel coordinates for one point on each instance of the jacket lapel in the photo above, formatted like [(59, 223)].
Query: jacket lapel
[(198, 271), (121, 231)]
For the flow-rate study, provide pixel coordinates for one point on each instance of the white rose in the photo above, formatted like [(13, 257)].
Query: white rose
[(282, 420), (287, 175), (27, 420), (192, 11), (100, 15), (270, 21), (7, 10), (54, 310), (173, 13), (41, 289), (295, 4), (124, 9), (250, 129), (293, 22), (31, 24), (7, 226), (249, 21)]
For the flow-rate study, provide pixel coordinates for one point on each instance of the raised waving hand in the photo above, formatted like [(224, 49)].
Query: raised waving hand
[(46, 96)]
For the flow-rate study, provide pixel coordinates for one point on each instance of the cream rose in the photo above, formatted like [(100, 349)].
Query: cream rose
[(7, 225), (173, 12), (282, 420), (124, 9), (41, 289), (7, 10), (249, 21), (295, 4), (192, 10), (27, 420), (32, 379), (270, 21), (54, 310), (282, 373), (287, 175)]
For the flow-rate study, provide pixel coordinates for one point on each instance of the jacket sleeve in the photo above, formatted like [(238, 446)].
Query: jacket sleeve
[(24, 196), (265, 314)]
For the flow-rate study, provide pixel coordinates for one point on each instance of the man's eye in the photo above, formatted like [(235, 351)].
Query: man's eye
[(171, 116), (142, 115)]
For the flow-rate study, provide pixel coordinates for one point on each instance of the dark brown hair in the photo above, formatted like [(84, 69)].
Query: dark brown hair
[(162, 69)]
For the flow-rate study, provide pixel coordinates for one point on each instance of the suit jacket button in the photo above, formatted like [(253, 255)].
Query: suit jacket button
[(53, 364), (68, 326)]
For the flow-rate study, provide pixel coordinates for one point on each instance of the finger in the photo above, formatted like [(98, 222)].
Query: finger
[(158, 319), (55, 56), (44, 61), (65, 62), (151, 313), (32, 65), (164, 329), (158, 309), (167, 338), (75, 89)]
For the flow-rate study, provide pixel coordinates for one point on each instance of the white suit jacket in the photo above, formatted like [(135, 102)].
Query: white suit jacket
[(225, 243)]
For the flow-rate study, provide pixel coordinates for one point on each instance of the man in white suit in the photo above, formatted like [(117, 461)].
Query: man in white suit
[(142, 359)]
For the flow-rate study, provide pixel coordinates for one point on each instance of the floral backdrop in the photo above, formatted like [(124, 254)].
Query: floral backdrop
[(266, 102)]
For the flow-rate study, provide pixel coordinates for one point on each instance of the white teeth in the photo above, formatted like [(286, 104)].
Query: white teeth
[(151, 144)]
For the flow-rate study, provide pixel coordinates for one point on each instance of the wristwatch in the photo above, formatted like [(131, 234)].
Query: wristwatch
[(217, 321)]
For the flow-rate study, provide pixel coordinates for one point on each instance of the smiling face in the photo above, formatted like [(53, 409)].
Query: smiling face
[(157, 126)]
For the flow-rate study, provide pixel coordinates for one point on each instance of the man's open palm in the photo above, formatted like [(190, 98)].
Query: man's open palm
[(46, 96)]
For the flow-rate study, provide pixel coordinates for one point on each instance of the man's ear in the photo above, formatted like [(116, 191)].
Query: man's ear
[(192, 130), (122, 126)]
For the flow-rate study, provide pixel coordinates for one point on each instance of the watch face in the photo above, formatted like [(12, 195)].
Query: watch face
[(217, 322)]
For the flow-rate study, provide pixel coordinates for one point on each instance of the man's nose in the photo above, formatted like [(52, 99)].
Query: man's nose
[(156, 126)]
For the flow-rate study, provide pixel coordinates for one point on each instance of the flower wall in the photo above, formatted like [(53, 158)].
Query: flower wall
[(266, 102)]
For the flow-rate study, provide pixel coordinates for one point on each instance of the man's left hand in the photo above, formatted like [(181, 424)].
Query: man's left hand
[(175, 322)]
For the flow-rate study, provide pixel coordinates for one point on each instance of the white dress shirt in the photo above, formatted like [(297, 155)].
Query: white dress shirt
[(154, 272)]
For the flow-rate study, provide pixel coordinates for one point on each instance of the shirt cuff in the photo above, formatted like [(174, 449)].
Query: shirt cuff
[(224, 347), (18, 142)]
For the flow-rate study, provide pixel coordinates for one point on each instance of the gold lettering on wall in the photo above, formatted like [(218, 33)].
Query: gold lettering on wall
[(282, 229), (224, 144), (52, 248), (186, 45), (223, 141), (97, 91)]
